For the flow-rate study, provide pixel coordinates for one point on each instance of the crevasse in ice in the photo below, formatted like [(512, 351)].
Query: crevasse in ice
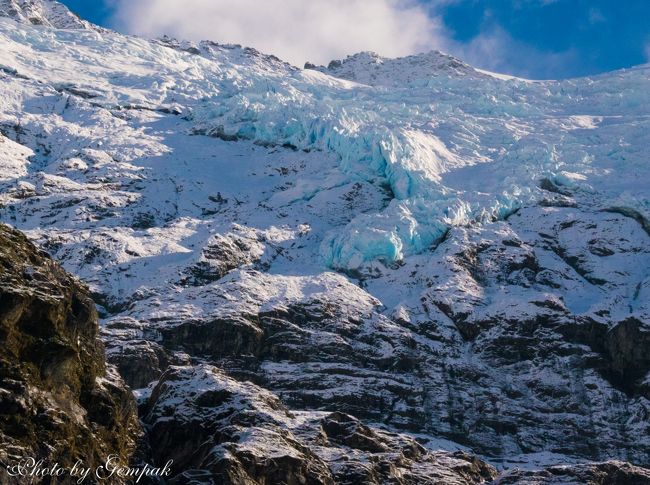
[(452, 144)]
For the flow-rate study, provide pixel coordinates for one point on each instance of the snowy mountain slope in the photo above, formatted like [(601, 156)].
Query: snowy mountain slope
[(436, 252), (49, 14), (374, 70), (482, 135)]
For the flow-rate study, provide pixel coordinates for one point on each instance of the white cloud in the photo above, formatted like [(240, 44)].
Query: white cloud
[(295, 30), (647, 52)]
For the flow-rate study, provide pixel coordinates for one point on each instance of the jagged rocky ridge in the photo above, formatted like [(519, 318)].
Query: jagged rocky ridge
[(346, 280), (374, 70), (37, 12), (59, 402)]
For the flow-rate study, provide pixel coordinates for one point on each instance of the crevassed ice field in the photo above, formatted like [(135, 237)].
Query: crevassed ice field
[(455, 255)]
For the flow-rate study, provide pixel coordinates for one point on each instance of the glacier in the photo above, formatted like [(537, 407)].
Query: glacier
[(448, 158), (459, 259)]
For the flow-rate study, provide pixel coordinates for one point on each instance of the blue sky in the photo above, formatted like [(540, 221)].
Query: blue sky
[(530, 38), (576, 37)]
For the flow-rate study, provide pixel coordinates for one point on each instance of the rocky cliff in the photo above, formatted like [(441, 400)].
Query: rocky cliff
[(59, 402), (385, 271)]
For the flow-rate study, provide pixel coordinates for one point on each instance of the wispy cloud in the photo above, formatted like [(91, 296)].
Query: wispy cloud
[(496, 50), (296, 30), (321, 30), (596, 16)]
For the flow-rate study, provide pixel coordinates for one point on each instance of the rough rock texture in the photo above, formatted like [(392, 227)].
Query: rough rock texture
[(496, 348), (399, 278), (234, 432), (48, 14), (58, 400), (608, 473), (372, 69)]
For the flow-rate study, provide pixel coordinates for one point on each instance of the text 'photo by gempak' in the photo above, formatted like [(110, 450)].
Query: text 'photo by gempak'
[(324, 242)]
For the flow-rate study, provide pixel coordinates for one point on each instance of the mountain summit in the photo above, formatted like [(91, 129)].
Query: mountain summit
[(374, 70), (383, 271), (42, 12)]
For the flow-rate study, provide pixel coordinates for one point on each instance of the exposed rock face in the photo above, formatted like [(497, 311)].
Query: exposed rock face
[(501, 348), (222, 254), (234, 432), (58, 400), (313, 280), (498, 345), (361, 454), (46, 13), (375, 70), (608, 473)]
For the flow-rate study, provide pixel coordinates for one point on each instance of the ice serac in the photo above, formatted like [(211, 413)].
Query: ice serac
[(48, 13), (427, 271), (59, 402)]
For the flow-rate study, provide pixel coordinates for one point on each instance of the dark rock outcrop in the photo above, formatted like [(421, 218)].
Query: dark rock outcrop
[(606, 473), (451, 262), (222, 254), (233, 432), (58, 400), (220, 430)]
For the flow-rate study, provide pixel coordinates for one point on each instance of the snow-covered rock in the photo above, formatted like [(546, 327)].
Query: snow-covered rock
[(411, 71), (608, 472), (458, 258), (46, 13), (235, 432)]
